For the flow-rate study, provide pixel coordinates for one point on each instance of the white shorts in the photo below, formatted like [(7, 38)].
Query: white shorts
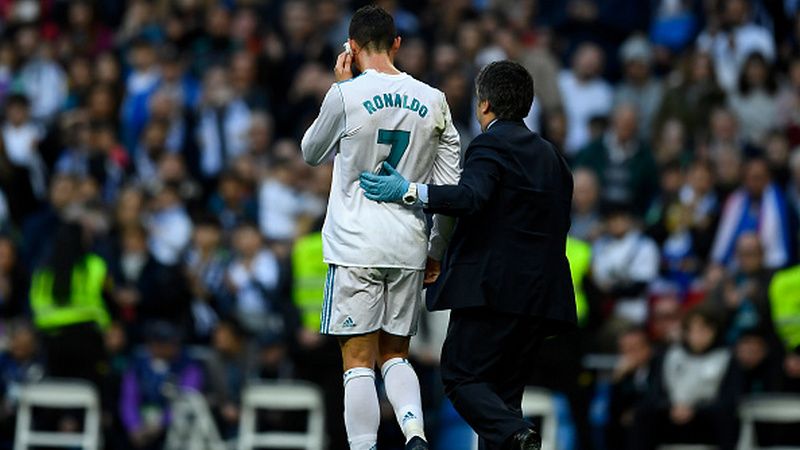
[(359, 300)]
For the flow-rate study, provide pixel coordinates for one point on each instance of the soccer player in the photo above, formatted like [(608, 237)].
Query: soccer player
[(377, 251)]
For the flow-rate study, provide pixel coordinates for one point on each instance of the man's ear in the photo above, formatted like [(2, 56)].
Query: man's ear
[(395, 46), (485, 107), (354, 47)]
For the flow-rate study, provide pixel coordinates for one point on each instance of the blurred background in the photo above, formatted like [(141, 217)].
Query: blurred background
[(160, 229)]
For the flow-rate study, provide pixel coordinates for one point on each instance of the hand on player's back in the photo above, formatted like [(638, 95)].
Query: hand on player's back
[(342, 71), (384, 188), (433, 269)]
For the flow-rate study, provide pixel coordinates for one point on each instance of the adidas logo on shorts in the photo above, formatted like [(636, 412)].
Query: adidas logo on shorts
[(348, 322), (409, 416)]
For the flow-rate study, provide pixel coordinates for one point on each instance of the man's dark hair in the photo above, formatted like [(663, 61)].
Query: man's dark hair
[(373, 28), (508, 87)]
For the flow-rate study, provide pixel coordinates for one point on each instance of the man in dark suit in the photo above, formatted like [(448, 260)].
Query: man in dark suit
[(507, 280)]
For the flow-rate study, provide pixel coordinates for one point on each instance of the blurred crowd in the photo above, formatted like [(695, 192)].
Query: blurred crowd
[(160, 229)]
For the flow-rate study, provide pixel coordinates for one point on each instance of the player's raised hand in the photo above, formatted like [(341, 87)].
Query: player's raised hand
[(342, 70)]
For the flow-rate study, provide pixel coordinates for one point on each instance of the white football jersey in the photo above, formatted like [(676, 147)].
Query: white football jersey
[(372, 118)]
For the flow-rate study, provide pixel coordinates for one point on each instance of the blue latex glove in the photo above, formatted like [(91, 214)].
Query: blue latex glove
[(384, 188)]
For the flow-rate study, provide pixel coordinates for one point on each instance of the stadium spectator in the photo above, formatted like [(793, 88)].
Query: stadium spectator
[(742, 294), (206, 265), (757, 207), (169, 226), (21, 138), (154, 375), (585, 95), (673, 24), (725, 135), (788, 104), (233, 202), (143, 288), (756, 359), (259, 138), (223, 120), (691, 397), (586, 220), (41, 77), (140, 85), (243, 79), (13, 281), (20, 363), (40, 227), (632, 378), (544, 67), (793, 188), (692, 96), (754, 99), (665, 318), (701, 207), (282, 201), (728, 164), (624, 262), (734, 39), (639, 87), (622, 162), (86, 34), (150, 149), (232, 363), (176, 81), (254, 277), (777, 153), (660, 217)]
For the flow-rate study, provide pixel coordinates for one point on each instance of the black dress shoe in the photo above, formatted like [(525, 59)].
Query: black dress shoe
[(417, 443), (526, 440)]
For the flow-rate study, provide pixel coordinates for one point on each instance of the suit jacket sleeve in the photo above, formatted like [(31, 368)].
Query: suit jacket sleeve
[(482, 169)]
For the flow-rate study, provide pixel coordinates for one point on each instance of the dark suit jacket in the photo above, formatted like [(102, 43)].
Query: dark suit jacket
[(508, 248)]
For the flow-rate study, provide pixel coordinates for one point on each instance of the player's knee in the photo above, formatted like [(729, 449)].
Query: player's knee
[(389, 355), (392, 347), (353, 361), (360, 354)]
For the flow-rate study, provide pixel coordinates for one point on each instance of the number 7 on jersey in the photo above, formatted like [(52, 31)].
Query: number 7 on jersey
[(398, 139)]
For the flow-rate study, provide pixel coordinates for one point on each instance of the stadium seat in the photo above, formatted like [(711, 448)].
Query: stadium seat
[(192, 426), (780, 408), (58, 394), (538, 402), (282, 396)]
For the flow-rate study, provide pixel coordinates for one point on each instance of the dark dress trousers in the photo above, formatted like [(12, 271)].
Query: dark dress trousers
[(507, 279)]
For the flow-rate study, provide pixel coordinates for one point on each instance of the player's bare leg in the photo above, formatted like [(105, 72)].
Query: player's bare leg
[(361, 408), (402, 388)]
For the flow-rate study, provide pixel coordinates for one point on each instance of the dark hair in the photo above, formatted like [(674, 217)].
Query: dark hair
[(231, 175), (18, 100), (207, 220), (234, 325), (68, 251), (770, 83), (508, 87), (372, 27), (707, 314)]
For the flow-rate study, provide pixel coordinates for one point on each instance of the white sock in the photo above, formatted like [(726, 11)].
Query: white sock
[(402, 389), (361, 413)]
